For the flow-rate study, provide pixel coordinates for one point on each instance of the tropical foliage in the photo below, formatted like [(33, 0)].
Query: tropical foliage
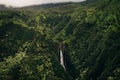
[(88, 31)]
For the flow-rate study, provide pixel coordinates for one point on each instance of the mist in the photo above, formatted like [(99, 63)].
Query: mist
[(21, 3)]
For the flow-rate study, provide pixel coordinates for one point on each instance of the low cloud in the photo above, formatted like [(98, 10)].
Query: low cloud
[(20, 3)]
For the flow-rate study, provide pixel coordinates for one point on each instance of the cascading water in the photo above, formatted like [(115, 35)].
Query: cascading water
[(61, 58)]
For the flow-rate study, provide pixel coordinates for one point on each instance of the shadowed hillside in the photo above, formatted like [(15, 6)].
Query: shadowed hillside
[(85, 34)]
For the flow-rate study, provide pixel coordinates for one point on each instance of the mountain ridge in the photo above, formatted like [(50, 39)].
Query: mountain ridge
[(88, 32)]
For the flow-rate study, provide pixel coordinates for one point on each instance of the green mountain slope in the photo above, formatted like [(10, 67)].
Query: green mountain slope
[(88, 32)]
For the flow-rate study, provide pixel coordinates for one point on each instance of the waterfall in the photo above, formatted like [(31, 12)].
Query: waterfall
[(61, 58)]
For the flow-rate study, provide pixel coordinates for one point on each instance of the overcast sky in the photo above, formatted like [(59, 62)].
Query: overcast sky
[(19, 3)]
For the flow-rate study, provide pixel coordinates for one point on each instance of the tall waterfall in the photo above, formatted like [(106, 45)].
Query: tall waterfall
[(61, 58)]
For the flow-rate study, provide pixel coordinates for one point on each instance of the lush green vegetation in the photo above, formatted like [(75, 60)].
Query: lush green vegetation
[(88, 31)]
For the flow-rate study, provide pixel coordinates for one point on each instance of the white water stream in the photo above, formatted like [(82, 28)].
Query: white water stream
[(61, 58)]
